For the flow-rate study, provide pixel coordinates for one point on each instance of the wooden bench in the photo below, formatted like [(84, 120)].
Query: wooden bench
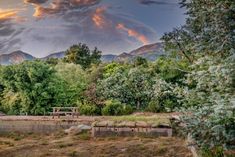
[(60, 111)]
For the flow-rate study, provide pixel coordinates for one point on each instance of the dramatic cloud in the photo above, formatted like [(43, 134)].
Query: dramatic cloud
[(59, 6), (98, 17), (8, 14), (35, 1), (159, 2), (132, 33), (41, 27)]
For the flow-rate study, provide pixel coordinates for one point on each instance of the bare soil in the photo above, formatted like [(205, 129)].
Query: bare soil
[(83, 145)]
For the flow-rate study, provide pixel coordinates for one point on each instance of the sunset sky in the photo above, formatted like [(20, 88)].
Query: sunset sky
[(41, 27)]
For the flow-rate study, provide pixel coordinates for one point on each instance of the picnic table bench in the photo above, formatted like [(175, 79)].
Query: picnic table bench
[(59, 111)]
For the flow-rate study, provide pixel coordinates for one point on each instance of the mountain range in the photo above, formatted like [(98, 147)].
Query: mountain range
[(150, 52)]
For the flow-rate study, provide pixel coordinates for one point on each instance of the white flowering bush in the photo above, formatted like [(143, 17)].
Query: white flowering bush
[(210, 102), (164, 98)]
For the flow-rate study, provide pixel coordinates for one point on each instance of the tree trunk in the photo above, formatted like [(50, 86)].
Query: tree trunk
[(138, 105)]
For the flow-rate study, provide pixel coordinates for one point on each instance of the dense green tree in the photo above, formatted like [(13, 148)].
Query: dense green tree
[(209, 29), (114, 87), (94, 74), (139, 83), (81, 54), (211, 102), (30, 87), (52, 61), (76, 81), (170, 69), (164, 98), (140, 61), (207, 41), (127, 85)]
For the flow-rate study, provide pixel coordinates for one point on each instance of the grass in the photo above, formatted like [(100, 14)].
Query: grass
[(84, 145), (64, 145), (149, 119), (84, 136), (73, 154), (6, 143)]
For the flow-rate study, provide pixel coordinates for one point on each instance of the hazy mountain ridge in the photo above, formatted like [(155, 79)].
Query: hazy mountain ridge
[(15, 57), (55, 55), (150, 52)]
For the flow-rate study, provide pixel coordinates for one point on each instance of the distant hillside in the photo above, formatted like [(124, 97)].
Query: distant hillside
[(55, 55), (15, 57), (108, 57), (150, 52)]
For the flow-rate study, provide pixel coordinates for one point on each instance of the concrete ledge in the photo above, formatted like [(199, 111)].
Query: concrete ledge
[(130, 131), (35, 126)]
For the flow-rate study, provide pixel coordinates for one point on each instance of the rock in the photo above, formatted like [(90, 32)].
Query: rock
[(125, 124), (77, 129), (84, 127), (142, 124), (2, 114), (101, 124)]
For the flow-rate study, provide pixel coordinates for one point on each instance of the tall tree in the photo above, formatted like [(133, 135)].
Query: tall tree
[(207, 40), (81, 54), (31, 87), (209, 29)]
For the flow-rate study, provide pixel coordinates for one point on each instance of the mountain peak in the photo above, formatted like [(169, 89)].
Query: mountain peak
[(150, 52), (15, 57)]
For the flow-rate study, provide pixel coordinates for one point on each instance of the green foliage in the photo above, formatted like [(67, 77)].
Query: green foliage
[(209, 30), (30, 87), (114, 87), (114, 68), (75, 79), (171, 70), (82, 55), (114, 107), (140, 61), (89, 109), (211, 123), (207, 42), (164, 99), (215, 152), (139, 83), (52, 61), (131, 86)]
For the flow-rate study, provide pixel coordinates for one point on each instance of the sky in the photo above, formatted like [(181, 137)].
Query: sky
[(42, 27)]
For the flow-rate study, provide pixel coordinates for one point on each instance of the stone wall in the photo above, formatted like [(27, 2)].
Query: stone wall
[(110, 128), (31, 126), (127, 131)]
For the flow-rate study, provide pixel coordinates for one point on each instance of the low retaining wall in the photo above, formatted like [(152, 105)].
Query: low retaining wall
[(31, 126), (125, 131), (109, 128)]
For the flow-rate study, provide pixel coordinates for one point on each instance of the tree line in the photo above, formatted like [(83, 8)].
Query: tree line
[(196, 77)]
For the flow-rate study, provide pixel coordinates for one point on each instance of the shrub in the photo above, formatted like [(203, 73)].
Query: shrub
[(89, 109), (154, 106), (114, 107), (164, 99), (127, 109), (211, 122)]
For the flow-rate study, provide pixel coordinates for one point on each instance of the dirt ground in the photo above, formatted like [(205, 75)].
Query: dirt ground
[(83, 145)]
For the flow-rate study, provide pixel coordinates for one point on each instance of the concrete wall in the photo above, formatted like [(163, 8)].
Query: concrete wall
[(23, 126), (129, 131)]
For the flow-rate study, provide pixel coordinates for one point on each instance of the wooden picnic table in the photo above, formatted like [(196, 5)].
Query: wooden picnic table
[(59, 111)]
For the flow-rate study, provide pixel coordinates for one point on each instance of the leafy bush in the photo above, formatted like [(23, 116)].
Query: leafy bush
[(164, 98), (127, 109), (89, 110), (212, 103), (31, 87), (154, 106), (115, 108)]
